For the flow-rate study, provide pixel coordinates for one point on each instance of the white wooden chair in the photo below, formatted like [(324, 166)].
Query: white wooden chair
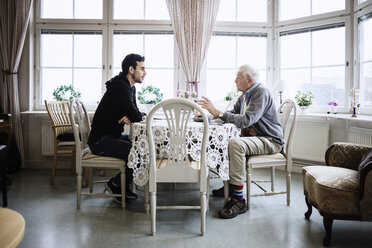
[(84, 158), (58, 112), (177, 168), (283, 158)]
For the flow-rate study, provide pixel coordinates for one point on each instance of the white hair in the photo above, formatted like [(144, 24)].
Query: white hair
[(249, 71)]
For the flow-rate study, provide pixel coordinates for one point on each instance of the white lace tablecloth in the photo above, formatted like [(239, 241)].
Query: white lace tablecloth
[(217, 153)]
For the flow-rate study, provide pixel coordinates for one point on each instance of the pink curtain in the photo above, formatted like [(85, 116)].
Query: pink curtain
[(192, 22), (13, 26)]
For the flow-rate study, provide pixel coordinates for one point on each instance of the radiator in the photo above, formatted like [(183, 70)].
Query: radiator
[(360, 136), (310, 141), (47, 139)]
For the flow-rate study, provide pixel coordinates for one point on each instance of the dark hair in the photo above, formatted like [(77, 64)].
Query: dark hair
[(131, 60)]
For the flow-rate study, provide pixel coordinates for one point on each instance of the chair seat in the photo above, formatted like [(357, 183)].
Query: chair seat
[(92, 157), (66, 143), (333, 190), (161, 163), (276, 159)]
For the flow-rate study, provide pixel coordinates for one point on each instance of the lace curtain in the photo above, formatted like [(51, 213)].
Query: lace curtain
[(13, 26), (193, 22)]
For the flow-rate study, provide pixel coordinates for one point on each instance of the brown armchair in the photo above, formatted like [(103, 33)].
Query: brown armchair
[(341, 190)]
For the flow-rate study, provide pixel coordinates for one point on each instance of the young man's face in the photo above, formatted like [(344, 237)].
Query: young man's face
[(139, 73)]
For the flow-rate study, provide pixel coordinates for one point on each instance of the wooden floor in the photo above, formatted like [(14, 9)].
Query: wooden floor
[(52, 219)]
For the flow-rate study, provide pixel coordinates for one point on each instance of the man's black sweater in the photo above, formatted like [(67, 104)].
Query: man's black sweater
[(118, 101)]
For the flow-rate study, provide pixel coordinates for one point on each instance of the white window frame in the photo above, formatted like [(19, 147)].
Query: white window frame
[(314, 21), (360, 10)]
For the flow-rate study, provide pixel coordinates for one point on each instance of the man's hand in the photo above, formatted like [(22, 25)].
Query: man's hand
[(208, 105), (125, 120)]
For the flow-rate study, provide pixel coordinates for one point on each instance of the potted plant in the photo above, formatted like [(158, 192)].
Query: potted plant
[(304, 100), (65, 92), (149, 95)]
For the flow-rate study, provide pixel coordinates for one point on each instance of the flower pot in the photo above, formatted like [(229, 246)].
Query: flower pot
[(303, 110), (149, 107)]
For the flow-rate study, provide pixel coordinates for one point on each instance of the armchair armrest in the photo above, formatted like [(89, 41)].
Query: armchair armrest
[(346, 155)]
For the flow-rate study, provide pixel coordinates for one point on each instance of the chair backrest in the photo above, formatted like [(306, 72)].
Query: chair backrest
[(231, 104), (178, 113), (81, 128), (58, 112), (284, 112)]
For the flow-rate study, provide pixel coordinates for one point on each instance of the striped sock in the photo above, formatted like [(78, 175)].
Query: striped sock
[(237, 192)]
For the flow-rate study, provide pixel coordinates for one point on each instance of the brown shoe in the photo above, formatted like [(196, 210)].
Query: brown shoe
[(232, 209)]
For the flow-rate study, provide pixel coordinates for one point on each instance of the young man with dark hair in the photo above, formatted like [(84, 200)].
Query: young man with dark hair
[(118, 107)]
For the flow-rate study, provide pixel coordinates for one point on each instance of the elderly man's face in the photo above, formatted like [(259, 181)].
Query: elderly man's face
[(243, 83)]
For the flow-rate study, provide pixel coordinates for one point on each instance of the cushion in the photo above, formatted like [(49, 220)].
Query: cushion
[(67, 135), (333, 190), (364, 167)]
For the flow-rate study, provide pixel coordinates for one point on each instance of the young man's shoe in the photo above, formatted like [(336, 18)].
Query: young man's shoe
[(220, 192), (232, 209), (113, 189)]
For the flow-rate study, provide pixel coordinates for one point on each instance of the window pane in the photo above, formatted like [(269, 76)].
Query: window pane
[(88, 82), (295, 50), (219, 83), (221, 52), (321, 6), (56, 50), (88, 51), (294, 80), (125, 44), (290, 9), (252, 50), (159, 50), (51, 79), (156, 10), (329, 84), (88, 9), (161, 78), (252, 10), (366, 39), (128, 9), (226, 10), (83, 9), (366, 85), (329, 47), (56, 9)]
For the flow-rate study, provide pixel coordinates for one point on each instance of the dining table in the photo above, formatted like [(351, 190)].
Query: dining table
[(217, 148)]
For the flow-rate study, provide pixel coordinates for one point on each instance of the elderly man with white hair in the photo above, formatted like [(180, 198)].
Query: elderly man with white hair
[(255, 113)]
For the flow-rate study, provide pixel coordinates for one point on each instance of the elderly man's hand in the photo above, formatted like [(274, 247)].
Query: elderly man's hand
[(208, 105), (125, 120)]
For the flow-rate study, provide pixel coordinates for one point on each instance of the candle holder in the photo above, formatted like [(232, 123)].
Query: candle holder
[(354, 102)]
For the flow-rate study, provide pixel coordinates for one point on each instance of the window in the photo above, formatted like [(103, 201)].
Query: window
[(228, 51), (71, 57), (141, 9), (157, 47), (242, 10), (365, 61), (71, 9), (291, 9), (313, 59)]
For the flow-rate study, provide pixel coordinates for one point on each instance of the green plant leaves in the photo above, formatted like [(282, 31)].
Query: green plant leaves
[(150, 95), (304, 99), (65, 92)]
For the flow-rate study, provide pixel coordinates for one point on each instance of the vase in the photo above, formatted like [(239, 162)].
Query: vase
[(149, 106), (303, 110)]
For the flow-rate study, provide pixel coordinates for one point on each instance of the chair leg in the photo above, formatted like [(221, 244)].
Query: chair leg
[(153, 212), (55, 155), (226, 191), (328, 228), (248, 185), (203, 211), (309, 208), (147, 208), (78, 190), (272, 172), (288, 188), (123, 183)]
